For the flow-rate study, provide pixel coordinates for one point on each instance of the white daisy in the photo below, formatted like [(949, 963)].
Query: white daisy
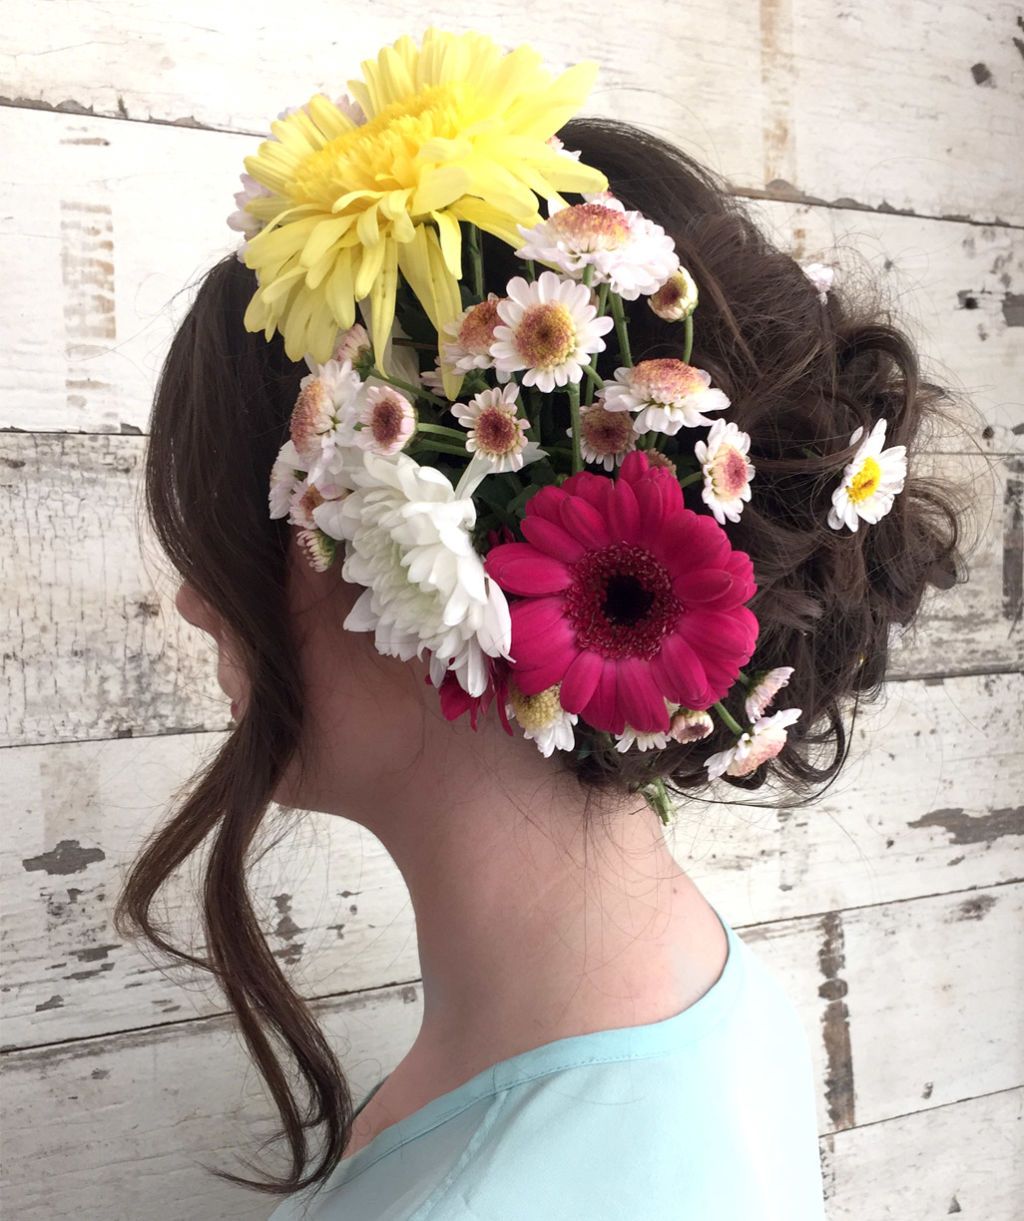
[(676, 299), (764, 689), (497, 432), (605, 436), (324, 414), (642, 741), (727, 470), (871, 480), (667, 393), (626, 251), (551, 329), (285, 476), (472, 334), (542, 718), (408, 540), (689, 725), (319, 549), (388, 420), (821, 275), (354, 346), (763, 741)]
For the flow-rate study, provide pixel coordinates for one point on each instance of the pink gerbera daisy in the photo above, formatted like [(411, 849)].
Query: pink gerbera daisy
[(626, 598)]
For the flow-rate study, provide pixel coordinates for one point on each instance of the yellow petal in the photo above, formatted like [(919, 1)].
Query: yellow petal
[(338, 290), (371, 258), (451, 242), (490, 219), (322, 238), (382, 306), (439, 188)]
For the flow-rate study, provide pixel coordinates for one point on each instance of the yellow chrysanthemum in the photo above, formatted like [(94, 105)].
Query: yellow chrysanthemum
[(456, 130)]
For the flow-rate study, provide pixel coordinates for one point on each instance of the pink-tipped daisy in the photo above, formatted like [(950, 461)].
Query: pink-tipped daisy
[(667, 393), (763, 741), (550, 329), (689, 725), (871, 480), (727, 470), (626, 598), (304, 499), (319, 549), (606, 437), (542, 718), (354, 346), (763, 690), (324, 414), (497, 431), (472, 334), (388, 421), (676, 299)]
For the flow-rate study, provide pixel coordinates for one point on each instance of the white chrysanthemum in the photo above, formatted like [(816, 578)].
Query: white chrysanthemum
[(388, 420), (871, 481), (542, 718), (606, 437), (667, 393), (324, 415), (676, 299), (497, 432), (408, 541), (471, 335), (551, 329), (626, 250), (764, 690), (763, 741), (285, 477), (727, 470), (821, 275)]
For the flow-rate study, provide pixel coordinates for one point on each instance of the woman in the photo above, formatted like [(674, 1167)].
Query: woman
[(642, 605)]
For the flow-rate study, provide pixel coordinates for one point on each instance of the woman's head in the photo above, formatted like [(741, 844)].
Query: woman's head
[(325, 721)]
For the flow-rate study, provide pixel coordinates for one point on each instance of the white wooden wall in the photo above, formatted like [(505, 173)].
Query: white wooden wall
[(892, 909)]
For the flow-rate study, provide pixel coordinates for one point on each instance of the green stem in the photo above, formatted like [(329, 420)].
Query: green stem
[(685, 483), (602, 299), (588, 274), (415, 391), (441, 431), (657, 798), (441, 447), (728, 719), (620, 329), (574, 408), (476, 261), (531, 269), (688, 339), (745, 679), (594, 382)]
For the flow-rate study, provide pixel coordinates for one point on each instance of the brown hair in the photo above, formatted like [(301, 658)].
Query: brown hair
[(801, 376)]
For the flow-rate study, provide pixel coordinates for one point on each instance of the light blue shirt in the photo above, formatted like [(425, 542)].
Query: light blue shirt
[(708, 1115)]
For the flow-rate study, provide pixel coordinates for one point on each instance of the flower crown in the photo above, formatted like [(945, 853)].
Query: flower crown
[(443, 435)]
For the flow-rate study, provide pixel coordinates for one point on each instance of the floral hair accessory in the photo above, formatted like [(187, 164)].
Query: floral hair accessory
[(505, 483), (822, 276)]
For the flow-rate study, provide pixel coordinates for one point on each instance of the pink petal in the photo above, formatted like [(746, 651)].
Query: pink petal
[(580, 681), (552, 539), (679, 671), (550, 667), (521, 569), (652, 505), (545, 503), (634, 467), (642, 703), (592, 488), (709, 585), (603, 711), (624, 512), (538, 618), (720, 634), (584, 522)]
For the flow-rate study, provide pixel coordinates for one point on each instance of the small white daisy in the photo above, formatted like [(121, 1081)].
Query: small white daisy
[(542, 718), (497, 431), (688, 725), (388, 421), (324, 414), (763, 741), (605, 436), (676, 299), (764, 689), (642, 741), (284, 479), (821, 275), (626, 251), (871, 480), (727, 470), (551, 329), (354, 346), (472, 334), (667, 393)]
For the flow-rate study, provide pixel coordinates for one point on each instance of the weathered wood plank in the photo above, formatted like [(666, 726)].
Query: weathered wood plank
[(928, 108), (98, 650), (93, 298), (173, 1096), (929, 802)]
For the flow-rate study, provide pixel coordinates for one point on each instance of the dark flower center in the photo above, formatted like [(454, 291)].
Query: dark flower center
[(621, 602)]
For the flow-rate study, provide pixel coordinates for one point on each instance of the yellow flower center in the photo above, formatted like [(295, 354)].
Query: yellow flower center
[(606, 432), (476, 334), (591, 226), (729, 473), (381, 154), (865, 482), (665, 380), (535, 712), (546, 335)]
